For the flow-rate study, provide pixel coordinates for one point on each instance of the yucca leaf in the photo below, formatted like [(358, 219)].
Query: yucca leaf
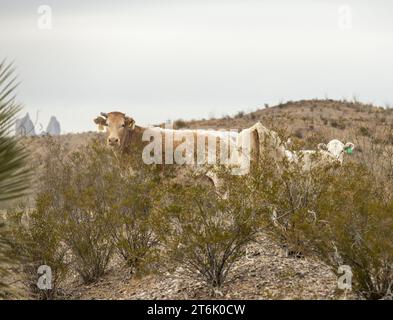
[(13, 174)]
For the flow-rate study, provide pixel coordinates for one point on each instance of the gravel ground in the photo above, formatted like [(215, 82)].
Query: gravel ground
[(266, 273)]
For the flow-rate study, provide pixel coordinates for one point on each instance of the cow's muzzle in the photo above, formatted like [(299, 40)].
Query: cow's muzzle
[(113, 141)]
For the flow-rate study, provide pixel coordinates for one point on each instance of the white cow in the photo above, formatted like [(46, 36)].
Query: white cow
[(337, 148), (333, 152)]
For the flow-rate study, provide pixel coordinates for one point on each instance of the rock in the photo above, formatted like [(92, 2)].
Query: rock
[(53, 128), (24, 126)]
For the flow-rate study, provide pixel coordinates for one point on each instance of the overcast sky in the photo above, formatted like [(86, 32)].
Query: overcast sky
[(159, 60)]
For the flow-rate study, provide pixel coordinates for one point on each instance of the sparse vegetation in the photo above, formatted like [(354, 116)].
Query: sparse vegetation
[(93, 207)]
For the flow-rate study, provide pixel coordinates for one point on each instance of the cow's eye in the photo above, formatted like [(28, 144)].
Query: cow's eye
[(123, 125)]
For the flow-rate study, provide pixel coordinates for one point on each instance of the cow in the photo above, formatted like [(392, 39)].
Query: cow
[(332, 153), (337, 148), (120, 128), (193, 148), (123, 132)]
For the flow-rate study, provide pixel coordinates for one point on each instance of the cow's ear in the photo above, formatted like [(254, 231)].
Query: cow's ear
[(129, 122), (101, 122), (322, 146)]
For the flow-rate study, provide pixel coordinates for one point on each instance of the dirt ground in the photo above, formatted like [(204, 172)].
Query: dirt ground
[(266, 273)]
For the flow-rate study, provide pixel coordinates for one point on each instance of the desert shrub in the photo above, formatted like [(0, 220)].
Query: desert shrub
[(343, 214), (131, 216), (180, 123), (240, 114), (376, 151), (36, 237), (104, 205), (339, 124), (364, 131), (354, 226), (7, 262), (205, 230), (86, 195), (286, 195)]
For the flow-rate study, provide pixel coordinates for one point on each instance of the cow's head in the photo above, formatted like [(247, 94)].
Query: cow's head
[(337, 148), (116, 124)]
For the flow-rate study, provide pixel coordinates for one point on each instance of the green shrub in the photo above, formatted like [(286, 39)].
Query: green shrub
[(36, 238), (131, 217), (8, 260), (285, 195), (104, 206), (354, 226), (206, 230), (85, 208)]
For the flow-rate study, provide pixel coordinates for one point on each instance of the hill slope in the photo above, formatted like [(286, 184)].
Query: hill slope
[(308, 120)]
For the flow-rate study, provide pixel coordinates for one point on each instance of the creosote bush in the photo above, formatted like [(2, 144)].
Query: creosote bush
[(90, 204), (131, 216), (354, 226), (36, 238), (285, 193), (205, 230), (343, 214)]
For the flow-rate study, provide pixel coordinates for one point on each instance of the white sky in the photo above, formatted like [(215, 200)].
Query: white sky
[(159, 60)]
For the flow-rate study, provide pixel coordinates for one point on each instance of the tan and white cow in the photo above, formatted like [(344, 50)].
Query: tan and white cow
[(192, 147)]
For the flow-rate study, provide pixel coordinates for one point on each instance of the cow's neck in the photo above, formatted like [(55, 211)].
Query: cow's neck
[(132, 139)]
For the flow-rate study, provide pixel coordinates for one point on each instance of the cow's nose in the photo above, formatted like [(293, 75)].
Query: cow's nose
[(112, 141)]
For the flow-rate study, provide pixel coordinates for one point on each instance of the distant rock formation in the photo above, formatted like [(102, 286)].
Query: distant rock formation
[(24, 126), (53, 128)]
